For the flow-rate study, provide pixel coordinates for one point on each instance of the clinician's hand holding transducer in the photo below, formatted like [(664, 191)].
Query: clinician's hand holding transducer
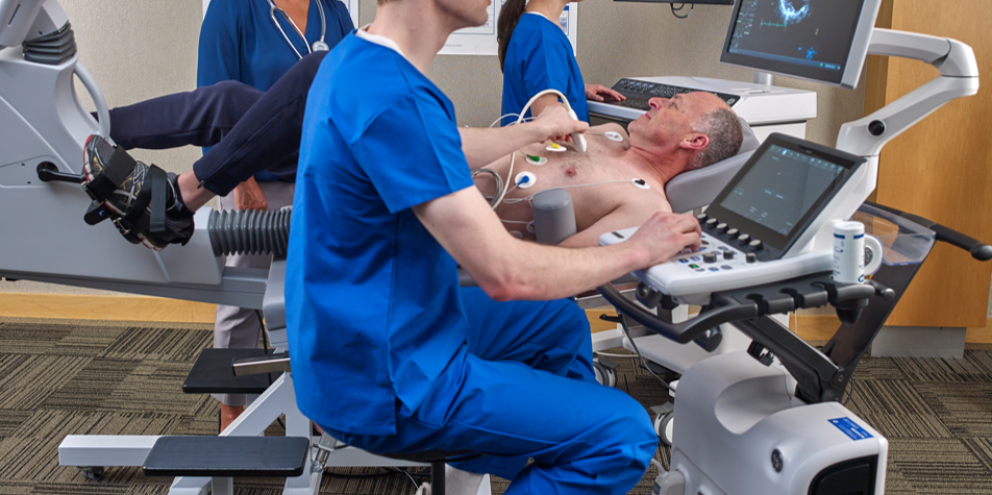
[(578, 140)]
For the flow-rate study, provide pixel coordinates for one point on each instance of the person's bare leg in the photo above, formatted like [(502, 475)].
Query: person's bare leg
[(228, 414)]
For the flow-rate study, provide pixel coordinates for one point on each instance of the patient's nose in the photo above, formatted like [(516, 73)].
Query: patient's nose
[(656, 103)]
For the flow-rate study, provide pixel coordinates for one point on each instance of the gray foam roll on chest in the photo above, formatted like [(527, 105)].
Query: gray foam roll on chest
[(554, 216)]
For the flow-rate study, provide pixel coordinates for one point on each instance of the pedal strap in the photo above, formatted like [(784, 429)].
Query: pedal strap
[(156, 220), (118, 169)]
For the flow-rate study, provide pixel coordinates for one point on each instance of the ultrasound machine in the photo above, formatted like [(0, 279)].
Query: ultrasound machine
[(770, 419), (764, 107)]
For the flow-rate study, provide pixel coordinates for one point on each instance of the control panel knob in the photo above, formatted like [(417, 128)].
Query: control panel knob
[(721, 227), (702, 217), (744, 239), (711, 222), (751, 257), (756, 244), (709, 257), (728, 254), (733, 233)]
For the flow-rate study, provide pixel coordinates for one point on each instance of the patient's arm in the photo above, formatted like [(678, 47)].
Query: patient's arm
[(507, 268), (626, 215), (484, 146)]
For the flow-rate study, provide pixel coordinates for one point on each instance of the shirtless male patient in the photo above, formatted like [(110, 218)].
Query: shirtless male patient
[(618, 183), (622, 177)]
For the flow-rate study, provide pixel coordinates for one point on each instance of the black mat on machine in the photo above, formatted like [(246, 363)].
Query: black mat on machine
[(227, 456), (212, 374)]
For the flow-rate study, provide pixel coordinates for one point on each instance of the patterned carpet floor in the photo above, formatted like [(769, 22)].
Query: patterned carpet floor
[(82, 377)]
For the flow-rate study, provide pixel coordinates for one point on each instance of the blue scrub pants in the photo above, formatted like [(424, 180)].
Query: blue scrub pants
[(523, 387), (251, 131)]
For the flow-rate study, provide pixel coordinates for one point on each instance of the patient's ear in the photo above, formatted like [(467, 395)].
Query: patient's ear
[(695, 141)]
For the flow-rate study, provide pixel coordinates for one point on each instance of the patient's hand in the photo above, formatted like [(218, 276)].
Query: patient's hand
[(556, 125), (248, 196)]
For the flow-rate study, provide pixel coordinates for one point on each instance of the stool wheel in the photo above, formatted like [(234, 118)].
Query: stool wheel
[(94, 473), (663, 426), (605, 375)]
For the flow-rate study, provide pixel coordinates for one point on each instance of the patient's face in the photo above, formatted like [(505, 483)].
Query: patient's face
[(670, 119)]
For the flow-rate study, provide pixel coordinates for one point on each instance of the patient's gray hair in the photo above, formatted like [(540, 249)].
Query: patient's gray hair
[(724, 130)]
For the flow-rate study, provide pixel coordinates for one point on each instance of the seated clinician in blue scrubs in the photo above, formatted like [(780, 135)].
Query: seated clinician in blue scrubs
[(535, 55), (256, 42), (388, 353)]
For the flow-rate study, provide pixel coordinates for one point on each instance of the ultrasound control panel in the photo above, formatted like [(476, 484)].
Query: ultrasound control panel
[(719, 265), (639, 92)]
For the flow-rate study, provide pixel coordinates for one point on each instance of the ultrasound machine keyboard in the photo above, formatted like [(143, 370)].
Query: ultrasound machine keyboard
[(639, 92)]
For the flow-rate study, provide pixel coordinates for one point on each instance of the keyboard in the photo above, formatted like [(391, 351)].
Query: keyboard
[(639, 92)]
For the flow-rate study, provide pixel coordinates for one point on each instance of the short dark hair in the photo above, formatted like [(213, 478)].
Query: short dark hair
[(726, 134)]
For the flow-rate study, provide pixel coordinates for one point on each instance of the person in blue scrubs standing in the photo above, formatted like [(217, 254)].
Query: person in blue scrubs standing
[(255, 42), (388, 353), (535, 55)]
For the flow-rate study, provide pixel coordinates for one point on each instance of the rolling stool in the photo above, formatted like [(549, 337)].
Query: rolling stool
[(327, 444), (436, 458)]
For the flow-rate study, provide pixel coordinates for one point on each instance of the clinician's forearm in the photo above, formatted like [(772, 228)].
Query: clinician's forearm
[(484, 146), (508, 268), (542, 103), (530, 271)]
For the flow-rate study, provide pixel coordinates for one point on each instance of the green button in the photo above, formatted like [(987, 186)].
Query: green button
[(694, 266)]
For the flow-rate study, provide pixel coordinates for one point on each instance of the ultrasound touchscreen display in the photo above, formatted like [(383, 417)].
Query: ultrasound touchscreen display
[(781, 188)]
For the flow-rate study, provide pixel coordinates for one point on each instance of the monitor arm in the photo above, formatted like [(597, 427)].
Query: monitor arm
[(866, 137), (958, 78)]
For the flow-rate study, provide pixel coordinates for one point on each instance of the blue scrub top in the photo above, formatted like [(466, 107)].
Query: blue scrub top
[(540, 57), (239, 41), (373, 306)]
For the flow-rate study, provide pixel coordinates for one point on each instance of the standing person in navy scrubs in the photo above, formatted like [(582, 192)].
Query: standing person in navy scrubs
[(535, 55), (255, 42)]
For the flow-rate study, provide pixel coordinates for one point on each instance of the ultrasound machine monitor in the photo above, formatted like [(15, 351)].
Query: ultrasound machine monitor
[(820, 40), (778, 194)]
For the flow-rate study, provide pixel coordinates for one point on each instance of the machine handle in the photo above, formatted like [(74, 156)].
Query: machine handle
[(103, 114), (49, 172), (979, 250), (683, 332)]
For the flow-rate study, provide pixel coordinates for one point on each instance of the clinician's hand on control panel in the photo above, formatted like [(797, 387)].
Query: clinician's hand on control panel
[(558, 125), (598, 92), (666, 234)]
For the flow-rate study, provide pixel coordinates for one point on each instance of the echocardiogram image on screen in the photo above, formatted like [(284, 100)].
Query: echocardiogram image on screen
[(806, 38)]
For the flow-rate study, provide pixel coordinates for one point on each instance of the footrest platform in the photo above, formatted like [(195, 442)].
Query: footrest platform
[(212, 374), (227, 456)]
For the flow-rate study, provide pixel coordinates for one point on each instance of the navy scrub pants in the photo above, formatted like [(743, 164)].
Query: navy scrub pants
[(524, 388), (250, 131)]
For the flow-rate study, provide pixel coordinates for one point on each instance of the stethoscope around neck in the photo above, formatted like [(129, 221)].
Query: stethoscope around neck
[(318, 46)]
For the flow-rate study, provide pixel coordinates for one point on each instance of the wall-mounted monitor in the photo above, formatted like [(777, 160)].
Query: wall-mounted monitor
[(820, 40)]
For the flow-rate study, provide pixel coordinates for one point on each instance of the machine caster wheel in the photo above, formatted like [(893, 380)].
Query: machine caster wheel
[(94, 473), (606, 372), (663, 426)]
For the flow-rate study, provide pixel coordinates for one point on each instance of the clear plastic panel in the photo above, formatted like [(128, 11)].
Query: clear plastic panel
[(905, 242)]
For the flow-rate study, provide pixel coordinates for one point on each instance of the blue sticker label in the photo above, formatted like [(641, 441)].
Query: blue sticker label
[(850, 428)]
